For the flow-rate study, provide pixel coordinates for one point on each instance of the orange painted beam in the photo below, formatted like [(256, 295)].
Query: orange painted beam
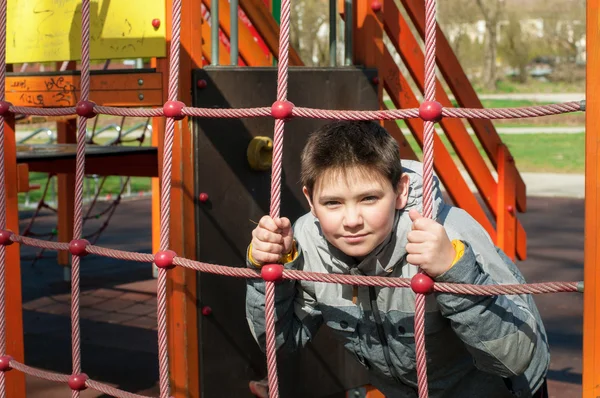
[(409, 50), (466, 96), (506, 220), (182, 312), (109, 89), (15, 381), (249, 50), (66, 133), (267, 28), (591, 296)]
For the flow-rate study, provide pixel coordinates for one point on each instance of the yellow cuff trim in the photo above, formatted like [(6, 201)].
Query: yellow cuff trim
[(284, 259), (252, 261), (459, 249)]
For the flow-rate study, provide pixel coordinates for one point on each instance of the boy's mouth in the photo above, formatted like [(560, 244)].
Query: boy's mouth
[(354, 238)]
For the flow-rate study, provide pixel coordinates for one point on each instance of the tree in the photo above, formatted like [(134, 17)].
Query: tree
[(492, 12), (308, 31), (515, 46)]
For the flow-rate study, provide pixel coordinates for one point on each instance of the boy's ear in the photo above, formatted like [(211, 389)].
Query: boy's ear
[(402, 191), (309, 200)]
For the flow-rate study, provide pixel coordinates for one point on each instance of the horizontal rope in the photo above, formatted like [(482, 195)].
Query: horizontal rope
[(359, 280), (512, 113), (42, 374), (313, 113), (393, 114), (62, 378)]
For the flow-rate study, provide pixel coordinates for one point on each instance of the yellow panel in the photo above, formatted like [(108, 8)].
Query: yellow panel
[(50, 30)]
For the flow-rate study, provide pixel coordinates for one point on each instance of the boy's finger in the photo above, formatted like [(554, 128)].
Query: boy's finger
[(418, 236), (268, 223), (264, 235)]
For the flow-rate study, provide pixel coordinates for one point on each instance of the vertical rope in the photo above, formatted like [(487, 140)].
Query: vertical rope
[(79, 177), (429, 131), (3, 13), (165, 201), (282, 89)]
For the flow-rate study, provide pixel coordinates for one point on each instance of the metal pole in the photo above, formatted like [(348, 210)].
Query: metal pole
[(214, 32), (332, 33), (233, 39), (348, 31)]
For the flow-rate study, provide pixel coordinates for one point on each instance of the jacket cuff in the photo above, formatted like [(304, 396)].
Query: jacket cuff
[(464, 268), (285, 259)]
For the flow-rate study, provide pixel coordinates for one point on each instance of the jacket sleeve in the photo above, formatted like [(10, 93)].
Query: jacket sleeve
[(500, 332), (297, 317)]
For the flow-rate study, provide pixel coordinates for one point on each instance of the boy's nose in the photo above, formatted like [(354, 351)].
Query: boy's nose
[(352, 218)]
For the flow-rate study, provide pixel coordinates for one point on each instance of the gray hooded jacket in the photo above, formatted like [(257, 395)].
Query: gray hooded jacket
[(477, 346)]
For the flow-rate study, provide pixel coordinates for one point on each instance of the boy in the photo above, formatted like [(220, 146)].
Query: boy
[(365, 219)]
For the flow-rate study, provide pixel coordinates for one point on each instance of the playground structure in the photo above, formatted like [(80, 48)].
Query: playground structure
[(178, 286)]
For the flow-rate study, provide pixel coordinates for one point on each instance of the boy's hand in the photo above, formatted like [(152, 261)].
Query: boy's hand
[(429, 246), (270, 239)]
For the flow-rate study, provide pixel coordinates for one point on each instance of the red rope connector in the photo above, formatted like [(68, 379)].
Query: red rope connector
[(164, 259), (85, 109), (5, 235), (206, 310), (5, 363), (203, 197), (431, 111), (421, 283), (174, 109), (156, 23), (77, 382), (201, 83), (272, 272), (282, 109), (4, 107), (375, 6), (77, 247)]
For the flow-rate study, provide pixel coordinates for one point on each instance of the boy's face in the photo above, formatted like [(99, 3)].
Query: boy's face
[(356, 208)]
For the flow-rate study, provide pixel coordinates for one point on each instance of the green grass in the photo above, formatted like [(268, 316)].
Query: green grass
[(551, 153)]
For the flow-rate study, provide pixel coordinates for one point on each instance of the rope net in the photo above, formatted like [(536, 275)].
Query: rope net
[(430, 111)]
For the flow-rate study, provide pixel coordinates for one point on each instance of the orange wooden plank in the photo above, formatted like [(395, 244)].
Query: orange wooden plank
[(15, 381), (249, 50), (460, 193), (466, 96), (591, 296), (267, 28), (127, 89), (66, 133), (506, 220), (22, 178), (182, 312)]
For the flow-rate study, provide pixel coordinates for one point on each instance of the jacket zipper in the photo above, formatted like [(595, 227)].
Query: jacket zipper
[(384, 342)]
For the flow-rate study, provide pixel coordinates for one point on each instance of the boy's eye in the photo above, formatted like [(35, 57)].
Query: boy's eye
[(331, 203), (370, 199)]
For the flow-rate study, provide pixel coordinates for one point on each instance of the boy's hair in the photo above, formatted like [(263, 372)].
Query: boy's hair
[(340, 145)]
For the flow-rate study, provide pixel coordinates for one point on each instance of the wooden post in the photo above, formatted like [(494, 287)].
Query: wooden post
[(182, 312), (15, 381), (591, 296), (506, 220), (66, 133)]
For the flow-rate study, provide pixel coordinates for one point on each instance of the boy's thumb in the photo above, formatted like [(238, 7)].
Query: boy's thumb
[(414, 215)]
